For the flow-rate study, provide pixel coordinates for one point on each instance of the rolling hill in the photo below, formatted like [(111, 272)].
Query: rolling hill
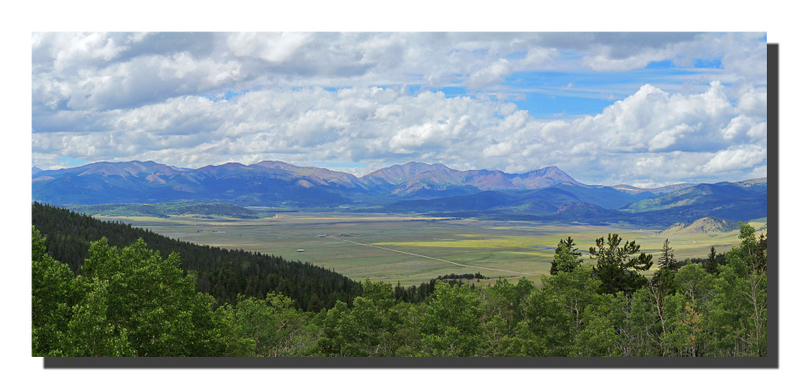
[(705, 225), (734, 201)]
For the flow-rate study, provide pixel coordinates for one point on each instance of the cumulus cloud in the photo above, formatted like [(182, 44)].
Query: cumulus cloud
[(649, 134), (312, 98), (83, 70), (736, 157), (271, 47), (753, 102), (669, 137), (742, 53), (491, 74)]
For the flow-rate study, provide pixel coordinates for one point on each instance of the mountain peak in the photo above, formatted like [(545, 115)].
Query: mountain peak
[(544, 177), (397, 174), (275, 164), (124, 169), (422, 166)]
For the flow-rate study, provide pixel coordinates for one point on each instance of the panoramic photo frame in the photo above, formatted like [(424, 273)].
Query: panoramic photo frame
[(501, 179)]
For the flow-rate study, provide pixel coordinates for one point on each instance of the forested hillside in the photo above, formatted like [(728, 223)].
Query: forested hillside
[(165, 210), (221, 272), (137, 302)]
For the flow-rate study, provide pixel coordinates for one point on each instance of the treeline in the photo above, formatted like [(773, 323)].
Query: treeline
[(467, 276), (222, 273), (423, 292), (166, 209)]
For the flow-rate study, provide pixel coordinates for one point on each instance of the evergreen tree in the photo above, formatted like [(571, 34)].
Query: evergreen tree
[(666, 260), (70, 234), (664, 278), (712, 261), (566, 257), (760, 256), (617, 266)]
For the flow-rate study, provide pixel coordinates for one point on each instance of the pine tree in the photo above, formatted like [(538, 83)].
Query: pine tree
[(566, 257), (617, 266), (712, 261), (760, 256), (667, 257)]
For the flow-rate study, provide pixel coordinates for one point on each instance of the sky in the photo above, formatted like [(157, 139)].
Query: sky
[(646, 109)]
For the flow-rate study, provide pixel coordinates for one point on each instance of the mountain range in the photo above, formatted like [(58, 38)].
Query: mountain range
[(411, 187)]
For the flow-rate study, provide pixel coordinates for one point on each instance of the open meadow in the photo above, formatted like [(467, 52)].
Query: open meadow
[(412, 249)]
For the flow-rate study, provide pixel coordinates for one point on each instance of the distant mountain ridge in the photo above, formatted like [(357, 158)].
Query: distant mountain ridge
[(410, 187), (658, 190), (272, 182)]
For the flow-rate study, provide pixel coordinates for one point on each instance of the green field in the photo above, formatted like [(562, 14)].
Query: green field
[(506, 246)]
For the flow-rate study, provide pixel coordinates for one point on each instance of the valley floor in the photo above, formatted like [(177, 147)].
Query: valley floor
[(416, 248)]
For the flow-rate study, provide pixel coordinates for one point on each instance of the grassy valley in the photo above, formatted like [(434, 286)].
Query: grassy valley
[(476, 244)]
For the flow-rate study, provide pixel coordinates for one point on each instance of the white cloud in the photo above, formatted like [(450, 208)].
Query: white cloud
[(174, 64), (77, 48), (272, 47), (161, 97), (604, 62), (383, 126), (738, 125), (538, 56), (498, 150), (669, 137), (740, 54), (736, 157), (492, 74), (757, 132), (753, 102)]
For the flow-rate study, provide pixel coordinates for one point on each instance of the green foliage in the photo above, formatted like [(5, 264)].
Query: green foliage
[(367, 329), (711, 266), (617, 266), (451, 326), (129, 303), (600, 337), (90, 333), (152, 299), (268, 327), (577, 288), (69, 236), (549, 322), (566, 257), (666, 260), (54, 292), (136, 302), (167, 209), (696, 283)]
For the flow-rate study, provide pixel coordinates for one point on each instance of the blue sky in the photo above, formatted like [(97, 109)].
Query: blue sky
[(638, 108)]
